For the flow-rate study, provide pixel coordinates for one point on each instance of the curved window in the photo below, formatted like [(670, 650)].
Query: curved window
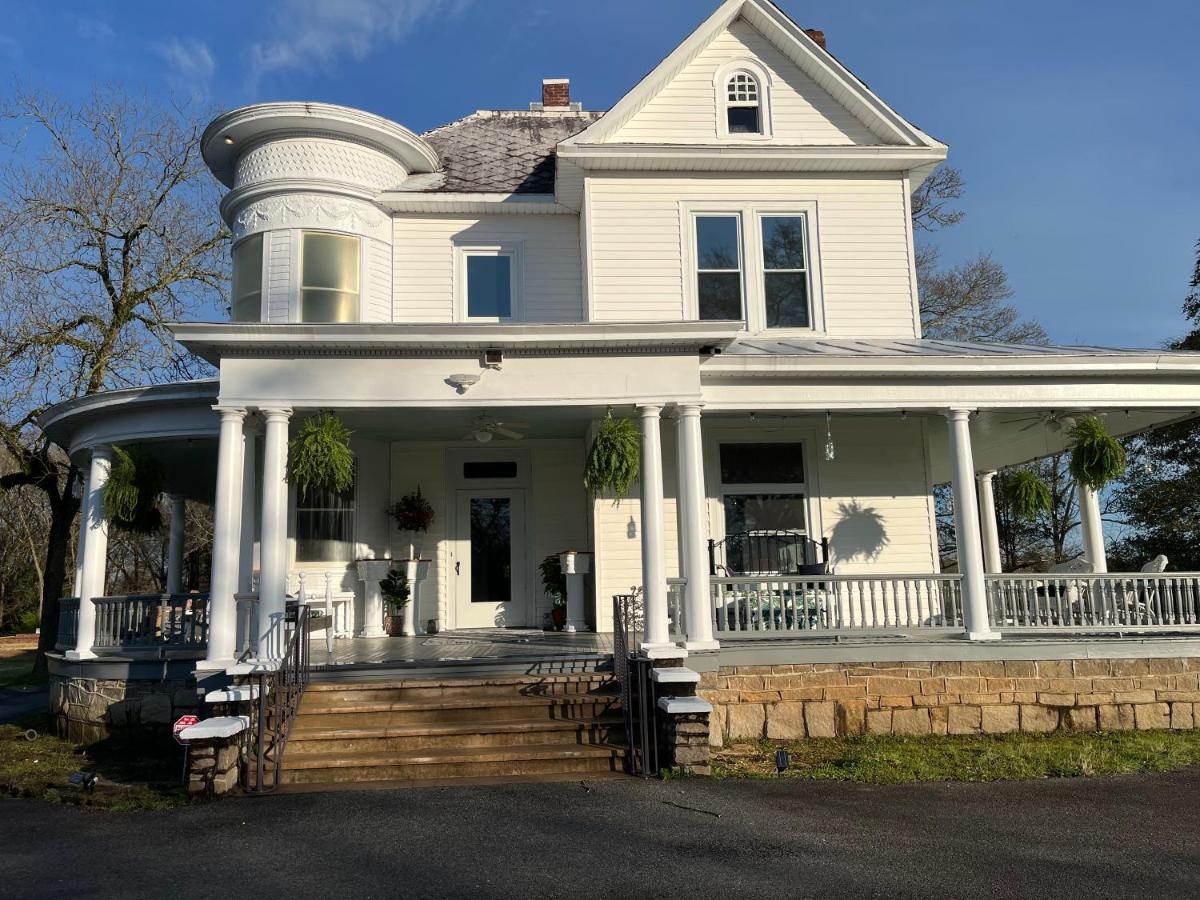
[(246, 303), (329, 280), (743, 104)]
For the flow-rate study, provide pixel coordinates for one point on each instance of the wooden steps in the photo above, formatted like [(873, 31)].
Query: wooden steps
[(430, 730)]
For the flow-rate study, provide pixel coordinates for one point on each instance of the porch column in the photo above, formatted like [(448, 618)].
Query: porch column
[(227, 515), (966, 527), (656, 636), (987, 519), (93, 526), (175, 545), (1091, 527), (272, 578), (698, 615), (249, 503)]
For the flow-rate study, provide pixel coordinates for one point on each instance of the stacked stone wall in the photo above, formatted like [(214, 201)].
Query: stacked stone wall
[(87, 710)]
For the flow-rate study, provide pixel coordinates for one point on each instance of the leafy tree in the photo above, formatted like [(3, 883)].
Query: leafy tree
[(108, 230)]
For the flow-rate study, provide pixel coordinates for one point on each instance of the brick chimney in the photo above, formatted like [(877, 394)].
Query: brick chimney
[(817, 35), (556, 93)]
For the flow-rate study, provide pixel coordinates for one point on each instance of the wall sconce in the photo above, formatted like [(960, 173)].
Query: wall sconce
[(462, 381)]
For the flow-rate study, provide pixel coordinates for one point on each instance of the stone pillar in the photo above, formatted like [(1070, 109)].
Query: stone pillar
[(227, 537), (249, 503), (175, 544), (657, 634), (272, 579), (1091, 528), (987, 520), (693, 532), (93, 525), (966, 527)]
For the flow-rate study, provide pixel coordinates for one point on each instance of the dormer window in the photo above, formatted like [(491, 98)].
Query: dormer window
[(743, 104)]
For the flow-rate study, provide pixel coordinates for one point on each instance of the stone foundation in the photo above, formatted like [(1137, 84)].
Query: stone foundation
[(86, 710), (684, 742), (213, 766), (787, 702)]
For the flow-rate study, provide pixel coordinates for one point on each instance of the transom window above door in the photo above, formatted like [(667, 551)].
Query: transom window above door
[(488, 279)]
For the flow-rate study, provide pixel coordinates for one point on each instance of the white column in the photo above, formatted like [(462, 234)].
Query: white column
[(272, 578), (81, 531), (987, 519), (249, 503), (227, 517), (966, 527), (656, 637), (93, 550), (692, 531), (1092, 528), (175, 545)]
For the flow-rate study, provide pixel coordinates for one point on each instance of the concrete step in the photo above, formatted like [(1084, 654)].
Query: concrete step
[(462, 709), (478, 762), (314, 739), (337, 693), (578, 664)]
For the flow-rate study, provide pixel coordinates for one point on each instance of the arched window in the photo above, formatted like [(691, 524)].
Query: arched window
[(743, 104)]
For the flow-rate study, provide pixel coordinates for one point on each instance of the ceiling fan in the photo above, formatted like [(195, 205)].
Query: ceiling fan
[(485, 428)]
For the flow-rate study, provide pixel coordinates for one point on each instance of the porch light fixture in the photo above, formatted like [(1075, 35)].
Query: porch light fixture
[(483, 436), (829, 448), (229, 140), (493, 358), (462, 381)]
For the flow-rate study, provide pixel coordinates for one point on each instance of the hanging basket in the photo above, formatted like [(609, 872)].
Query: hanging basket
[(1097, 458), (131, 493), (614, 459), (319, 455), (1027, 495), (412, 512)]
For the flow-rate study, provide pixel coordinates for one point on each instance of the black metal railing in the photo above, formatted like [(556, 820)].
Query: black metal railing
[(68, 623), (767, 552), (279, 691), (158, 622), (637, 688)]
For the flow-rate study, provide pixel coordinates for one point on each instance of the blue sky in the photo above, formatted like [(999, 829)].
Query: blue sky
[(1077, 126)]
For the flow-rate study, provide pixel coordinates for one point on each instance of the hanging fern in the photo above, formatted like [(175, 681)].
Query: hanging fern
[(615, 457), (1026, 494), (319, 455), (1097, 457), (131, 493)]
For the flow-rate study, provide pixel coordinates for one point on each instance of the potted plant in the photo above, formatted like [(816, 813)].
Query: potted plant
[(414, 514), (396, 593), (554, 583), (614, 459), (131, 492), (319, 455), (1027, 494), (1097, 458)]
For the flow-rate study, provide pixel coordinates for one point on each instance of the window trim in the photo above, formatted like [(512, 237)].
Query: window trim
[(696, 271), (807, 270), (754, 293), (264, 280), (721, 81), (356, 547), (513, 250), (298, 255)]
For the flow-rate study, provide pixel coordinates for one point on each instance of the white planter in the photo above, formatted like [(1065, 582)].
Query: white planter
[(370, 573)]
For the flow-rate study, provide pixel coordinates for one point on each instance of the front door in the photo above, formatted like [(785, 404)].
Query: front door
[(489, 558)]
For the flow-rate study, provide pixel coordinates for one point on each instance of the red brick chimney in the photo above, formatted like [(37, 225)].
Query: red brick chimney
[(817, 35), (556, 93)]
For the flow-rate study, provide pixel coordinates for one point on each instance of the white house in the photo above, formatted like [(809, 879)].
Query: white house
[(726, 256)]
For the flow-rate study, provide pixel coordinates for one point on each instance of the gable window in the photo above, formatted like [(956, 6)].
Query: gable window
[(329, 277), (719, 267), (324, 525), (743, 104), (246, 303), (785, 271), (488, 280)]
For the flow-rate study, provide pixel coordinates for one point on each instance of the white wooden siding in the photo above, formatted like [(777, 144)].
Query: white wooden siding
[(377, 267), (636, 269), (279, 275), (685, 110), (423, 267)]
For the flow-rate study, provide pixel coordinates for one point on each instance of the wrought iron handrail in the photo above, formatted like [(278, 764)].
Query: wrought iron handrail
[(1089, 601), (633, 676), (792, 605), (158, 622), (68, 623), (280, 688)]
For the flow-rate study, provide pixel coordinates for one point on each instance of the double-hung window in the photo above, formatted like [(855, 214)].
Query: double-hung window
[(324, 525), (785, 271), (719, 267), (488, 278)]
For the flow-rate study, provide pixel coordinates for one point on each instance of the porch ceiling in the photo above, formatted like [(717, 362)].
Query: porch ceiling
[(439, 424)]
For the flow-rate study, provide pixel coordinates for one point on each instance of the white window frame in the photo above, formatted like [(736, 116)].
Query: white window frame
[(516, 272), (263, 281), (298, 274), (692, 272), (721, 97), (356, 548), (753, 276), (761, 269)]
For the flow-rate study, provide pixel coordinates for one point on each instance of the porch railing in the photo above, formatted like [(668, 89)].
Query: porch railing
[(151, 622), (68, 623), (1111, 602), (279, 691), (675, 608), (794, 606)]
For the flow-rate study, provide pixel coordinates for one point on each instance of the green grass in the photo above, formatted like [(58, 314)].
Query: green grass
[(888, 759), (16, 667), (40, 769)]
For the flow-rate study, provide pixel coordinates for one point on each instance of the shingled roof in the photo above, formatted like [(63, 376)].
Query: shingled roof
[(504, 151)]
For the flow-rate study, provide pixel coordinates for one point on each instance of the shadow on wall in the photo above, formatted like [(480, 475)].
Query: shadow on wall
[(858, 535)]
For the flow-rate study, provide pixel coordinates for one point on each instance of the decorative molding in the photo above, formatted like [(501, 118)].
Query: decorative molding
[(308, 210), (318, 157)]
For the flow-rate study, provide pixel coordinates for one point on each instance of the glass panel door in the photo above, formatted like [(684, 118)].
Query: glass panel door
[(491, 549), (488, 559)]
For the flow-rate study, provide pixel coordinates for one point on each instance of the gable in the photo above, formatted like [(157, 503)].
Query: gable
[(686, 109)]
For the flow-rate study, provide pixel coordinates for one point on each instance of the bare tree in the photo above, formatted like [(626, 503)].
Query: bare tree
[(966, 303), (108, 230)]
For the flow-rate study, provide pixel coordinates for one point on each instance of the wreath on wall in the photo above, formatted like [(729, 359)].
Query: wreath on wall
[(614, 459), (131, 493), (319, 455)]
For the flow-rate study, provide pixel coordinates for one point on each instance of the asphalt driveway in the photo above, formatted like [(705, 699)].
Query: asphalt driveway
[(1116, 837)]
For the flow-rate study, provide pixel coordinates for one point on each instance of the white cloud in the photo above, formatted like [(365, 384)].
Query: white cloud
[(191, 64), (93, 28), (308, 34)]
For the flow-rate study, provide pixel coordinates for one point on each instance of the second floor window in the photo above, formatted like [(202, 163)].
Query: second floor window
[(488, 282), (743, 106), (329, 279), (719, 267), (785, 271), (247, 279)]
